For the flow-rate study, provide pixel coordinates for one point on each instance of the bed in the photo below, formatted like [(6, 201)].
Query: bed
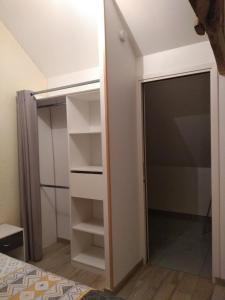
[(22, 281)]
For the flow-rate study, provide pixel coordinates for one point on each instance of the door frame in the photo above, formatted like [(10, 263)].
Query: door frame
[(215, 157)]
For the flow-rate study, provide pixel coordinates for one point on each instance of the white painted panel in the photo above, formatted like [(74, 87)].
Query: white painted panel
[(88, 186), (85, 150), (177, 59), (47, 177), (93, 257), (48, 217), (121, 76), (81, 210), (86, 210), (185, 189), (59, 133), (60, 148), (63, 213), (74, 77), (222, 173), (93, 226), (84, 111), (45, 146)]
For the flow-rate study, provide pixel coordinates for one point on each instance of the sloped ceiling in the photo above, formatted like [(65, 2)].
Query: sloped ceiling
[(56, 34), (60, 36), (160, 25)]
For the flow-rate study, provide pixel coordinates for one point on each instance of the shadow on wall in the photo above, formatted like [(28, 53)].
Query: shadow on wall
[(178, 143)]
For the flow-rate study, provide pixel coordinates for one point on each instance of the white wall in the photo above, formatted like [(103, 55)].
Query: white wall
[(73, 78), (17, 72), (176, 59), (180, 189)]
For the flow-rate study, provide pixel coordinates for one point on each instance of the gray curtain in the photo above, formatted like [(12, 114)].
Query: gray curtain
[(29, 174)]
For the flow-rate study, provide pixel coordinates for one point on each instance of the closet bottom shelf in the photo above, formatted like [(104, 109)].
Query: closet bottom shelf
[(93, 257)]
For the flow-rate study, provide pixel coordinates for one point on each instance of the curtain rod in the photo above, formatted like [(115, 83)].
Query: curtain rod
[(65, 87)]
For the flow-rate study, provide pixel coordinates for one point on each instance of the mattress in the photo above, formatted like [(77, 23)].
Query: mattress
[(22, 281)]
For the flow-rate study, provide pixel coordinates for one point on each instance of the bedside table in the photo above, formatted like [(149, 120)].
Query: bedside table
[(12, 241)]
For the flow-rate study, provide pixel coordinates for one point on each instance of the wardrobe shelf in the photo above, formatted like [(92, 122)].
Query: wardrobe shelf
[(87, 169), (93, 257), (93, 226), (86, 180), (94, 131)]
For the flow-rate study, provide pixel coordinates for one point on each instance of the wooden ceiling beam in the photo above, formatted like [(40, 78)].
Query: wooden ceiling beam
[(210, 14)]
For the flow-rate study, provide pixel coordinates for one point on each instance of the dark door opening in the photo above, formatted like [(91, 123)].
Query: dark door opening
[(178, 172)]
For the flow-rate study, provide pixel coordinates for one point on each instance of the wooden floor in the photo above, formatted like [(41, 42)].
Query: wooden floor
[(149, 283), (57, 260)]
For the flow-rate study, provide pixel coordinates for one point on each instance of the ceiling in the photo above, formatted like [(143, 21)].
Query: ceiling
[(160, 25), (57, 34)]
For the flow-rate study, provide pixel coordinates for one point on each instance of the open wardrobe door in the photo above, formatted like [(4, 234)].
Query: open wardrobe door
[(119, 78)]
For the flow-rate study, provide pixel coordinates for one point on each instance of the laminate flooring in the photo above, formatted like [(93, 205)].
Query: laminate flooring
[(151, 282)]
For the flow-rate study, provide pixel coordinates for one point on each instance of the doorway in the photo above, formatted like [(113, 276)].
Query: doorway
[(177, 138)]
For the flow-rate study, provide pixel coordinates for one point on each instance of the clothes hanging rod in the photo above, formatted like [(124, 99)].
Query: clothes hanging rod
[(54, 186), (65, 87)]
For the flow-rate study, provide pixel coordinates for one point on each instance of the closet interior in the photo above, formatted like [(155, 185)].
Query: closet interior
[(178, 170), (54, 175), (71, 172)]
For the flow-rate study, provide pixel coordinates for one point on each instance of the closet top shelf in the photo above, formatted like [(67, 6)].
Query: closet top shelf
[(54, 100)]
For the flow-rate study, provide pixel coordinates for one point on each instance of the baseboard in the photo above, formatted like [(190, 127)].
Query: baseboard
[(123, 282), (178, 215), (64, 241), (219, 281)]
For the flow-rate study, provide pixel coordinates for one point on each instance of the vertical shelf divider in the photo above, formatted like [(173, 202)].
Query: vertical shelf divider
[(86, 180)]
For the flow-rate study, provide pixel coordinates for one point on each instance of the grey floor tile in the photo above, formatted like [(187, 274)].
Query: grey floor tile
[(182, 245), (206, 270)]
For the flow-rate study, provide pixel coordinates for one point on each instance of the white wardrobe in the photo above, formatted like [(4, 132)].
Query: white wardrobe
[(93, 130)]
